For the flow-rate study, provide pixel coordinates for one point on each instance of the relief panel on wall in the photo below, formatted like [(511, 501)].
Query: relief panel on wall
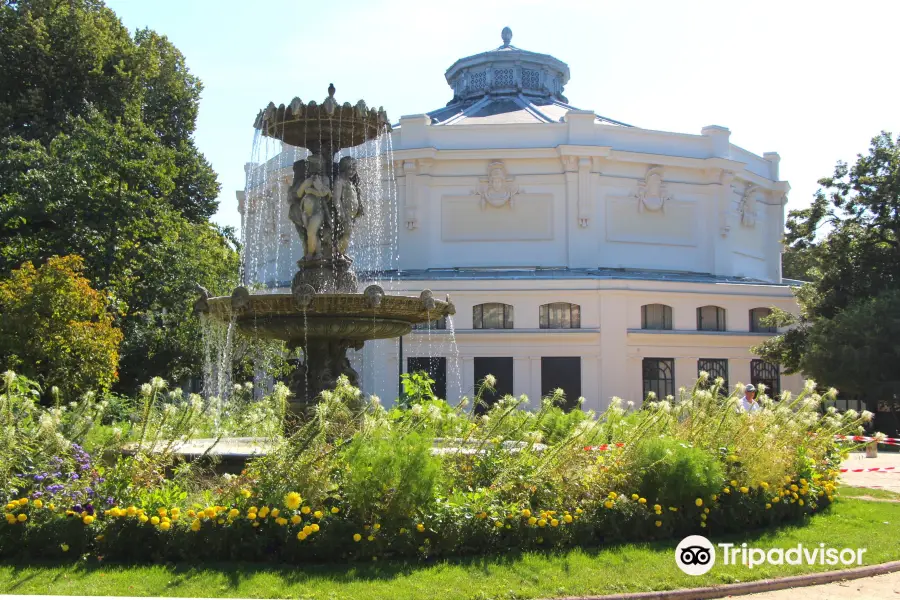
[(629, 221), (467, 219)]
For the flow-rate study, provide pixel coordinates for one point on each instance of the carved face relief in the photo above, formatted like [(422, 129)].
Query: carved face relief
[(651, 194), (497, 189), (748, 207)]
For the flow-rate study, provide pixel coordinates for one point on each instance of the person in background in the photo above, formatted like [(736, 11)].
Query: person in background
[(748, 402)]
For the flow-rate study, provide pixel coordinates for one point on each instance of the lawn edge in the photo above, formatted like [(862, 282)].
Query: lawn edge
[(753, 587)]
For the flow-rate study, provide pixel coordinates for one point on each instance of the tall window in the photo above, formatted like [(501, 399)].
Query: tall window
[(711, 318), (492, 315), (767, 374), (436, 324), (501, 367), (562, 372), (656, 316), (659, 376), (716, 367), (560, 315), (756, 317), (436, 367)]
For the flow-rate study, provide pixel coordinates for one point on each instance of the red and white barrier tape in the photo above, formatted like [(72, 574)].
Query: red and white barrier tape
[(603, 447), (869, 470), (866, 440)]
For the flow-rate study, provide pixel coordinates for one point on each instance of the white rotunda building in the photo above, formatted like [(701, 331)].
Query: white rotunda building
[(580, 252)]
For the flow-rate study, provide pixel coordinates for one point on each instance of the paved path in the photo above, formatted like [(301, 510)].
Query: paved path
[(882, 587), (887, 481)]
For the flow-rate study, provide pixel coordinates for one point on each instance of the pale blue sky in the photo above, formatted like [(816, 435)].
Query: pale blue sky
[(813, 81)]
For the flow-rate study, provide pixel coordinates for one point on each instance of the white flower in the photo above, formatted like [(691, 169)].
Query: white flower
[(485, 419), (831, 410), (146, 389), (46, 421), (851, 415), (629, 405), (416, 410), (376, 401), (581, 400), (434, 413), (176, 394), (196, 402), (237, 388), (73, 405), (158, 383), (720, 381), (490, 381), (464, 402), (665, 405), (704, 375), (248, 386), (651, 395), (117, 432), (866, 416), (169, 409), (809, 385), (9, 377)]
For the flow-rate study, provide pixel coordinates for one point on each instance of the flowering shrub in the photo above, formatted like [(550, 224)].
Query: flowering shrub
[(357, 481)]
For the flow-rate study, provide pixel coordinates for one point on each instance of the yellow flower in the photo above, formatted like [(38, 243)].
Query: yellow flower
[(554, 522), (38, 503), (191, 514), (252, 516), (275, 512), (706, 510), (659, 523), (526, 513), (143, 518), (715, 497), (162, 512), (305, 510), (699, 501), (768, 506), (673, 509), (255, 523), (319, 514), (498, 524), (702, 517), (87, 519), (234, 513), (376, 526), (165, 525), (800, 502), (293, 500), (64, 547), (153, 521), (371, 538), (420, 527), (794, 488), (295, 519), (578, 511), (702, 524), (307, 530), (335, 510), (356, 537), (281, 521), (195, 525), (175, 511), (301, 535), (131, 511), (314, 527), (744, 489), (542, 523), (23, 517), (567, 518), (657, 507), (532, 520), (12, 506), (210, 513), (263, 512), (764, 485), (608, 504), (402, 530), (246, 493), (727, 490), (734, 483), (23, 501)]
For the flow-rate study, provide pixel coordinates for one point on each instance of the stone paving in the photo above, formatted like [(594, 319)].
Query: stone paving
[(889, 481), (882, 587)]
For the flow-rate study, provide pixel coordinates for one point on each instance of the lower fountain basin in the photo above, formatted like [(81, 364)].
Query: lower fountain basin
[(331, 316)]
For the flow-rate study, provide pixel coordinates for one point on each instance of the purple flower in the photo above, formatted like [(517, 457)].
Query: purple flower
[(89, 508), (36, 495), (110, 501), (38, 478), (73, 476), (78, 508)]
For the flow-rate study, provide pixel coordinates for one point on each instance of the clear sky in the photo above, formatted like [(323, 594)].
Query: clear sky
[(813, 81)]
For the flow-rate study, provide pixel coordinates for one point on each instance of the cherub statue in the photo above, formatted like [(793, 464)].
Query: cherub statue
[(308, 197), (347, 203)]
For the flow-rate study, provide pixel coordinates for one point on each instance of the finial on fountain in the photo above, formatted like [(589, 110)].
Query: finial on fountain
[(506, 36), (331, 90)]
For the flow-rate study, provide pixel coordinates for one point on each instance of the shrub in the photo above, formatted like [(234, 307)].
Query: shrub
[(58, 330), (674, 474)]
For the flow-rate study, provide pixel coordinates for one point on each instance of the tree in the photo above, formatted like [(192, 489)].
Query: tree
[(847, 333), (97, 159), (56, 329)]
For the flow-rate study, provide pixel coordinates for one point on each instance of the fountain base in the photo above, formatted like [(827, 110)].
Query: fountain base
[(326, 275), (324, 361)]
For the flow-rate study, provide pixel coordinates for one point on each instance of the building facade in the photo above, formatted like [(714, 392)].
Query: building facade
[(580, 252)]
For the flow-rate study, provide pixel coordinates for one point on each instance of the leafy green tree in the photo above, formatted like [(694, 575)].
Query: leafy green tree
[(56, 329), (97, 159), (847, 333)]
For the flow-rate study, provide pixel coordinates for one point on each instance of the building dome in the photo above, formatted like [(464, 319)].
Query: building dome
[(506, 85)]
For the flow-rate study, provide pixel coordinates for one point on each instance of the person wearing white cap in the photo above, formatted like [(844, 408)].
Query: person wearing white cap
[(748, 402)]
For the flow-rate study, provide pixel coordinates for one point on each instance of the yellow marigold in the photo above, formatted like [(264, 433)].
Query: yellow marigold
[(143, 518), (715, 497), (613, 495), (657, 507), (154, 521), (659, 523), (23, 501), (23, 517), (699, 501), (87, 519), (800, 502), (318, 514), (794, 487), (64, 547), (255, 523), (702, 517), (263, 512), (768, 506), (634, 496), (526, 513), (131, 511), (498, 524), (673, 509), (554, 522), (420, 527), (165, 525), (356, 537), (162, 512), (567, 518), (175, 511), (706, 510), (295, 519), (744, 489), (234, 513), (305, 510), (195, 525), (764, 485), (608, 504), (702, 524), (210, 513), (542, 523), (532, 520), (307, 530), (642, 501), (191, 514), (251, 516), (246, 493), (301, 535), (293, 500), (734, 483), (802, 481), (371, 538), (335, 510), (578, 511), (275, 513), (38, 503), (281, 521), (314, 527), (12, 506), (727, 490)]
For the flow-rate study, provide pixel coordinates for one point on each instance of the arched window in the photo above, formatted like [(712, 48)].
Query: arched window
[(656, 316), (756, 317), (492, 315), (560, 315), (710, 318)]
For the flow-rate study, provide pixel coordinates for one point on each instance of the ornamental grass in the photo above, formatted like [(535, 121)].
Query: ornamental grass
[(357, 481)]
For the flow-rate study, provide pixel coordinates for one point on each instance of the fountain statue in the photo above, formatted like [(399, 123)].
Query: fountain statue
[(324, 314)]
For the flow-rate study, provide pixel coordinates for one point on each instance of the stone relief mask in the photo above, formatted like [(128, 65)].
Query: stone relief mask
[(747, 207), (651, 194), (497, 189)]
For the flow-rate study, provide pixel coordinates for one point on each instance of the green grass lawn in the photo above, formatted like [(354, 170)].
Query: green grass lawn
[(855, 492), (625, 568)]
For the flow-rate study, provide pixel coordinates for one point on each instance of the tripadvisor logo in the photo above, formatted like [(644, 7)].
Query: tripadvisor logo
[(696, 555)]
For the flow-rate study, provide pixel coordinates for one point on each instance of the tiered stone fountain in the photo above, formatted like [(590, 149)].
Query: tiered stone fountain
[(324, 314)]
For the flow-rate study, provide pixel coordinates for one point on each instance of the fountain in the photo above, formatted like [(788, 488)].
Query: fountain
[(324, 314)]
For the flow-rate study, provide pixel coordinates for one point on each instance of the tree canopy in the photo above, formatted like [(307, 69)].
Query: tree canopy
[(847, 246), (97, 159)]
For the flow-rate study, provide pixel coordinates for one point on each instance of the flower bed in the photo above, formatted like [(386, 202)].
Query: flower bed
[(361, 482)]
